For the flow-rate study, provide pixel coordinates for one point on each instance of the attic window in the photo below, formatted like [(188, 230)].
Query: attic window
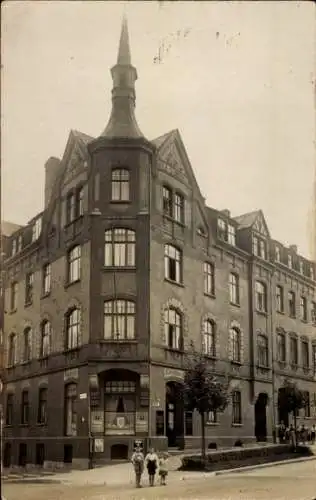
[(226, 231), (290, 261), (13, 247), (277, 254), (301, 267), (36, 229), (201, 231)]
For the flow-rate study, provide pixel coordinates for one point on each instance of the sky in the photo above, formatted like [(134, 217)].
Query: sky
[(238, 81)]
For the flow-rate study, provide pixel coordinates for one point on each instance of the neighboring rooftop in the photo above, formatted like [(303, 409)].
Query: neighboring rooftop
[(8, 228)]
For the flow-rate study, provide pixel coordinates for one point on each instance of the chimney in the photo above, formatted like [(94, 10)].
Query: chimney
[(52, 167), (293, 248), (226, 212)]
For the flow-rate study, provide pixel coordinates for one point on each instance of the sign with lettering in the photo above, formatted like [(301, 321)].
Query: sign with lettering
[(97, 422), (173, 373), (99, 445), (141, 422), (71, 373)]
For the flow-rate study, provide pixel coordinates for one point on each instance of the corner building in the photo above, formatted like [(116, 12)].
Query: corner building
[(108, 286)]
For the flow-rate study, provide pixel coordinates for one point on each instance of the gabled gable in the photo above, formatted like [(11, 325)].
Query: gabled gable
[(75, 158), (254, 220)]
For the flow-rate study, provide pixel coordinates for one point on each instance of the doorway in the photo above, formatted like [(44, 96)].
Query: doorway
[(174, 414), (261, 417), (283, 415)]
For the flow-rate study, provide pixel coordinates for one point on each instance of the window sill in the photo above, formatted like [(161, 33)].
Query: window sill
[(118, 341), (12, 311), (212, 357), (175, 221), (70, 283), (294, 366), (235, 304), (237, 425), (280, 312), (120, 202), (293, 316), (45, 295), (24, 425), (262, 313), (263, 367), (304, 321), (41, 424), (282, 364), (28, 303), (173, 349), (118, 268), (28, 362), (210, 295), (212, 424), (181, 285), (235, 362)]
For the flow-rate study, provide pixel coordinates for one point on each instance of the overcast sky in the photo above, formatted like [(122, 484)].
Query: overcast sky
[(238, 82)]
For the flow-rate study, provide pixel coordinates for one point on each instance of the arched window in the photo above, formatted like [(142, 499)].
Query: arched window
[(120, 184), (12, 350), (173, 328), (45, 339), (27, 344), (119, 247), (173, 263), (73, 328), (70, 410), (235, 344), (234, 288), (281, 346), (119, 319), (261, 296), (209, 338), (262, 350)]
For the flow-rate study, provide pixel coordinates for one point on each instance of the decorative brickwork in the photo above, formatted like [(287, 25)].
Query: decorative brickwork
[(175, 304), (236, 325), (210, 317)]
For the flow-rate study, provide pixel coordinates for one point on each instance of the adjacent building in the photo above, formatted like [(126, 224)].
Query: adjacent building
[(106, 289)]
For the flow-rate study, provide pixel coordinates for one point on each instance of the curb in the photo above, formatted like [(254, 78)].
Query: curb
[(263, 466)]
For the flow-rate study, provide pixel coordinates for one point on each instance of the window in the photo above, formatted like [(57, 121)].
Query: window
[(301, 267), (307, 406), (277, 254), (9, 410), (261, 296), (209, 278), (263, 351), (173, 204), (119, 320), (42, 406), (25, 408), (259, 247), (281, 347), (311, 272), (209, 338), (255, 246), (167, 201), (221, 229), (79, 201), (173, 264), (14, 296), (314, 358), (235, 345), (236, 403), (292, 304), (70, 208), (46, 279), (20, 243), (119, 249), (212, 417), (12, 350), (303, 308), (36, 229), (279, 299), (231, 234), (226, 231), (293, 351), (73, 327), (27, 344), (173, 329), (178, 208), (305, 353), (13, 247), (313, 313), (233, 288), (290, 261), (120, 184), (74, 264), (45, 339), (70, 410), (262, 247), (29, 282)]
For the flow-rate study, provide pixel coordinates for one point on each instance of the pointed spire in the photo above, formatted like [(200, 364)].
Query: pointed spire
[(122, 121), (124, 53)]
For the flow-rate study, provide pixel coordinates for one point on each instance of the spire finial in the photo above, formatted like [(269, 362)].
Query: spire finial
[(124, 53)]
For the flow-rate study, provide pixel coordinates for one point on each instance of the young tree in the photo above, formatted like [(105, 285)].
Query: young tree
[(291, 399), (203, 391)]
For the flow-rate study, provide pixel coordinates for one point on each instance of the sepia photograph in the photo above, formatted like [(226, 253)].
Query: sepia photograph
[(158, 250)]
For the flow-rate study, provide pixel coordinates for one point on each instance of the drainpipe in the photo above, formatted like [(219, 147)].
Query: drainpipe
[(272, 353)]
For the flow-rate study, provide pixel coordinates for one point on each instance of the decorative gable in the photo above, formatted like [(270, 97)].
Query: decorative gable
[(260, 225), (169, 158), (76, 163)]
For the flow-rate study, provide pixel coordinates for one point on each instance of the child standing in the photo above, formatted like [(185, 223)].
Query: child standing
[(138, 463), (163, 468), (151, 461)]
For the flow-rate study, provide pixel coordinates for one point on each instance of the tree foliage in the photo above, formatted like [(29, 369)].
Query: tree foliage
[(291, 398)]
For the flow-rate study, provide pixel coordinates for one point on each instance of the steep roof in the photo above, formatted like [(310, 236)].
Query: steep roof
[(159, 141), (248, 219), (8, 228)]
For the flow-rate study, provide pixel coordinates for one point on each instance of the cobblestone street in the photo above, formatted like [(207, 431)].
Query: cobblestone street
[(296, 481)]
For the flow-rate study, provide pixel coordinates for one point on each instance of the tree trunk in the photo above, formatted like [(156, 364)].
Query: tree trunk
[(203, 436), (295, 428)]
